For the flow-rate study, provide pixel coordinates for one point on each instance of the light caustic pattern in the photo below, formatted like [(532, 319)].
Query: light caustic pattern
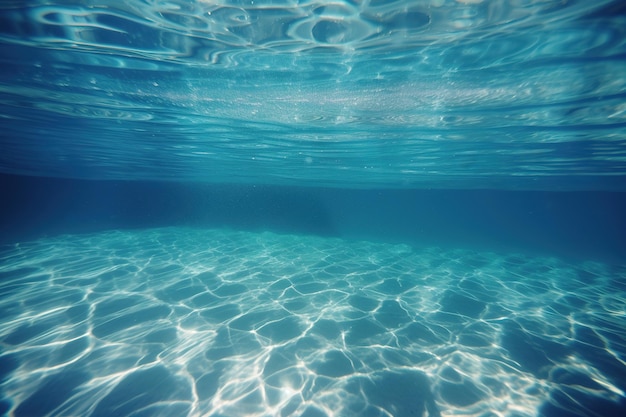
[(200, 322)]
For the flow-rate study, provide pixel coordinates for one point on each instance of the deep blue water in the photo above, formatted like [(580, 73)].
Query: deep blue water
[(307, 208)]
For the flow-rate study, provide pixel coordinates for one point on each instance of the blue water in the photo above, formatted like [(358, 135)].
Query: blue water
[(306, 208)]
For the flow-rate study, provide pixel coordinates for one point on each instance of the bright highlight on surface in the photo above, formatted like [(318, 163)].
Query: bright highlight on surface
[(193, 322)]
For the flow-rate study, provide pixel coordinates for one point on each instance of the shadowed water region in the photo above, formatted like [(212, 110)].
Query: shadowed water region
[(199, 322)]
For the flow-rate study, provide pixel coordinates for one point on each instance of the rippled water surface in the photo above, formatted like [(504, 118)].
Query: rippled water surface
[(464, 93)]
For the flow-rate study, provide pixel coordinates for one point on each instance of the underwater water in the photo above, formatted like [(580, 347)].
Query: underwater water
[(306, 208)]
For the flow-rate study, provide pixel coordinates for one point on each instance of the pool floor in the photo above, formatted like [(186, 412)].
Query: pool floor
[(216, 322)]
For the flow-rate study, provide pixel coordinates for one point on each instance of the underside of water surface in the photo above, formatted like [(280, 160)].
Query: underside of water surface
[(368, 94)]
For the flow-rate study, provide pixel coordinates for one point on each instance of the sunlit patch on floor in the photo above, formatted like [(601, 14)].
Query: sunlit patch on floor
[(194, 322)]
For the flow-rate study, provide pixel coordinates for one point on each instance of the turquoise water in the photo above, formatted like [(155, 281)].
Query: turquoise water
[(188, 321), (440, 93), (306, 208)]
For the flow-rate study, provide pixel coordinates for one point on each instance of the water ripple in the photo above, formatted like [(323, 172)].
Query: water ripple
[(173, 30), (392, 92)]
